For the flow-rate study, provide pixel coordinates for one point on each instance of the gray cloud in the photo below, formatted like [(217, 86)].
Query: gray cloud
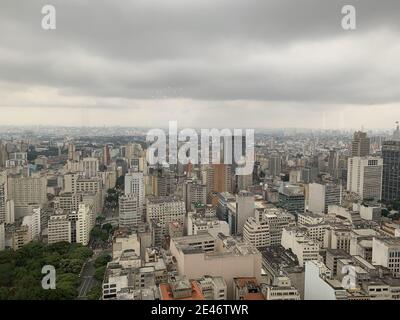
[(153, 53)]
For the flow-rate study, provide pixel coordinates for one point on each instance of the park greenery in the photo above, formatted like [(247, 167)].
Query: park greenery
[(101, 234), (21, 276)]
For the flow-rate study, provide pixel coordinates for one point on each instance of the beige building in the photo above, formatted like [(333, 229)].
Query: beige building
[(229, 259)]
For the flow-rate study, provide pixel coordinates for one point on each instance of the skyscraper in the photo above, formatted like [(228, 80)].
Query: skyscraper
[(134, 184), (106, 155), (361, 144), (130, 212), (391, 167), (364, 177)]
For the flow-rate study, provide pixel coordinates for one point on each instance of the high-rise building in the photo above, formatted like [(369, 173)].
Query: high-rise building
[(83, 224), (245, 208), (90, 167), (106, 155), (134, 184), (391, 168), (275, 164), (130, 211), (194, 192), (72, 156), (219, 178), (27, 190), (59, 227), (364, 177), (320, 196), (360, 145), (3, 154), (3, 191)]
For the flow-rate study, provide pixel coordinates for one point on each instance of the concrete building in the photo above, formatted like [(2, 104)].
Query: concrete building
[(20, 237), (134, 184), (386, 253), (224, 198), (291, 198), (213, 288), (229, 259), (318, 284), (130, 211), (266, 229), (320, 196), (364, 177), (303, 247), (27, 190), (194, 192), (165, 210), (391, 172), (90, 167), (361, 145), (84, 224), (245, 208), (198, 223), (59, 228), (180, 288)]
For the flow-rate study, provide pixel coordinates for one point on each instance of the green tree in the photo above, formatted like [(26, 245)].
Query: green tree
[(99, 273), (102, 260)]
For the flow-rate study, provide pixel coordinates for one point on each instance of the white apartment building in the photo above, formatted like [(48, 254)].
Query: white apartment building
[(130, 211), (320, 196), (337, 236), (256, 232), (165, 210), (266, 228), (33, 222), (59, 228), (303, 247), (134, 184), (90, 167), (364, 177), (27, 190), (386, 253), (83, 224)]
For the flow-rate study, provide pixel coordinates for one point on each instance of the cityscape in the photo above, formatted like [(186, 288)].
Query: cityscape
[(317, 219), (222, 152)]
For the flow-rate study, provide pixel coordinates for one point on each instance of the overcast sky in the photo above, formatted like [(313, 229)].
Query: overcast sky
[(204, 63)]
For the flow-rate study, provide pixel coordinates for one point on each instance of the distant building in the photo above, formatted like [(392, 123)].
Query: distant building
[(361, 145), (391, 168)]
